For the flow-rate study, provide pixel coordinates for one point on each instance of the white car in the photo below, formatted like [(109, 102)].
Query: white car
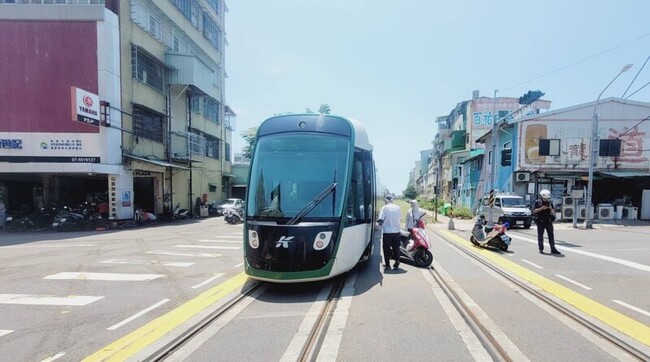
[(231, 204), (507, 208)]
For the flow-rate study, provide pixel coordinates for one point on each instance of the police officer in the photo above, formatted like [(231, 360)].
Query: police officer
[(544, 216)]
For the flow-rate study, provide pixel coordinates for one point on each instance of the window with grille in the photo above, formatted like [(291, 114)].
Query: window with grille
[(212, 110), (214, 4), (197, 144), (227, 151), (211, 146), (148, 124), (147, 69), (210, 30), (190, 9)]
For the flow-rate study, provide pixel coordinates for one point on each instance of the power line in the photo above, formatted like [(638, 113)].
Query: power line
[(637, 74), (577, 62)]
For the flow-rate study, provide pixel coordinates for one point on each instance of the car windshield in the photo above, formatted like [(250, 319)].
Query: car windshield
[(513, 202)]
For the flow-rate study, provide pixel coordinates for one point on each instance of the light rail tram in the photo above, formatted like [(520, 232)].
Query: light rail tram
[(310, 199)]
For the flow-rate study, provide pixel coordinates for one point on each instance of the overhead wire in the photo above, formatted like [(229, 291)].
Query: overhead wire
[(637, 74), (576, 62)]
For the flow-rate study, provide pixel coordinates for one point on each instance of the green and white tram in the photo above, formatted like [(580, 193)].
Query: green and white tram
[(310, 198)]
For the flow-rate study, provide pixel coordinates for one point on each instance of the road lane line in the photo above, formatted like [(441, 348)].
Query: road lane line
[(610, 317), (209, 247), (239, 265), (533, 264), (132, 343), (216, 276), (222, 241), (636, 309), (49, 246), (54, 358), (173, 253), (627, 263), (573, 282), (137, 315), (36, 299), (4, 332), (104, 276), (145, 262)]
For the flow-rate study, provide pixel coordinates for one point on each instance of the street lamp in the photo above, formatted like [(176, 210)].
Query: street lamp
[(593, 150)]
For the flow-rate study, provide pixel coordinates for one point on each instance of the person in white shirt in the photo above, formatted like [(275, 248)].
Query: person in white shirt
[(389, 220), (413, 215)]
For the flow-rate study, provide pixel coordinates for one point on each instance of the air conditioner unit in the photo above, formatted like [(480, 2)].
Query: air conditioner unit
[(630, 212), (605, 211), (567, 212), (522, 177), (582, 212), (568, 200)]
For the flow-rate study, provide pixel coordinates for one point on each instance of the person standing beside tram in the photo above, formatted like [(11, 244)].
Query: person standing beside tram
[(389, 221)]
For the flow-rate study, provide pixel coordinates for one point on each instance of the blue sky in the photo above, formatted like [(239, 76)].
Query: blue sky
[(397, 65)]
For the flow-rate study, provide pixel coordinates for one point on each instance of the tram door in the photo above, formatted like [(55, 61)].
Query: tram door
[(143, 193)]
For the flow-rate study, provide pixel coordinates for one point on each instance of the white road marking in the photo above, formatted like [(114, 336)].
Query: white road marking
[(35, 299), (474, 346), (239, 265), (234, 237), (300, 338), (627, 263), (50, 246), (54, 358), (172, 253), (636, 309), (145, 262), (104, 276), (198, 341), (222, 241), (140, 313), (573, 281), (208, 247), (531, 263), (330, 348), (216, 276), (4, 332)]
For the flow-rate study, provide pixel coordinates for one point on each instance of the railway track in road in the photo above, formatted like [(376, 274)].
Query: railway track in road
[(493, 346), (306, 345)]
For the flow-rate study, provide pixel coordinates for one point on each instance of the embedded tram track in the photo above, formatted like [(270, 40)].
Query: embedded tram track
[(488, 341), (168, 349)]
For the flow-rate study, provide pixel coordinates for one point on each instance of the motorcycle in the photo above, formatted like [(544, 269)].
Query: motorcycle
[(232, 217), (143, 217), (414, 246), (180, 214), (495, 236)]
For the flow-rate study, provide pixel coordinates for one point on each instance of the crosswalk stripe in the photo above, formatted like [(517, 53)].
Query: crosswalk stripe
[(4, 332), (172, 253), (35, 299), (104, 276), (208, 247)]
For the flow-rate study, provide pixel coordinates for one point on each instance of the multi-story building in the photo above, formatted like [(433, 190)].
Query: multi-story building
[(151, 129)]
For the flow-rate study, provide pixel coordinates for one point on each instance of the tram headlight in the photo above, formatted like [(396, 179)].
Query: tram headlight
[(253, 239), (322, 240)]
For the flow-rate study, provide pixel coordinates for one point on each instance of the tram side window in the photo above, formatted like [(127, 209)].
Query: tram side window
[(356, 195)]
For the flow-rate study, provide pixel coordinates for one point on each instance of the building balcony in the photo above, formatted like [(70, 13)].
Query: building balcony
[(189, 70)]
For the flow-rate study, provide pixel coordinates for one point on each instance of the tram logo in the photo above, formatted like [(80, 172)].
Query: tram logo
[(284, 242)]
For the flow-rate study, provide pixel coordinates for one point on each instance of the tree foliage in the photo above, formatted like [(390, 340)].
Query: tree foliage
[(249, 137), (410, 192), (324, 109)]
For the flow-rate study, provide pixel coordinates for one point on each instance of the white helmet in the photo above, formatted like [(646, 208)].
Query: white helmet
[(545, 194)]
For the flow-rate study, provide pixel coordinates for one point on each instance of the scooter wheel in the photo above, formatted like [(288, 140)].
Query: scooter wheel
[(473, 240), (423, 258), (503, 247)]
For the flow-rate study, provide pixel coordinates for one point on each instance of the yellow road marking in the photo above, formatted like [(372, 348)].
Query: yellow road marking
[(135, 341), (612, 318)]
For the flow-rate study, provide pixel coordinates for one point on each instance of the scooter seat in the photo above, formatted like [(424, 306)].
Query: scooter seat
[(488, 229), (404, 233)]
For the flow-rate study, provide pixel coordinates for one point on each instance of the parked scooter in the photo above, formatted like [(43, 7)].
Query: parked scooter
[(495, 237), (180, 214), (415, 247), (232, 217)]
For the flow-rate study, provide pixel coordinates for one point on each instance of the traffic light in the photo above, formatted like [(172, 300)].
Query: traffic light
[(530, 97), (506, 157)]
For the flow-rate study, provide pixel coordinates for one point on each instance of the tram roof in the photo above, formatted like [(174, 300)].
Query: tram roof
[(360, 133)]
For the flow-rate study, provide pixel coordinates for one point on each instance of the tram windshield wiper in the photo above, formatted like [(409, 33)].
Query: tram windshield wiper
[(313, 203)]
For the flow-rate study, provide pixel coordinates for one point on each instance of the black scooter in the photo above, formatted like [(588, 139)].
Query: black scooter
[(232, 217)]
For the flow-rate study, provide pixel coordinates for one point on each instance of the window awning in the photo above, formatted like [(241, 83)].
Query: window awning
[(228, 175), (625, 173), (157, 162)]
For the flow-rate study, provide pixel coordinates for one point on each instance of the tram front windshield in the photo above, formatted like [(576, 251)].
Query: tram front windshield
[(290, 171)]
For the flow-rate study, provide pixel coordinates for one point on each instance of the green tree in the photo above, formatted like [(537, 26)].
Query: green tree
[(324, 109), (249, 137), (410, 192)]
